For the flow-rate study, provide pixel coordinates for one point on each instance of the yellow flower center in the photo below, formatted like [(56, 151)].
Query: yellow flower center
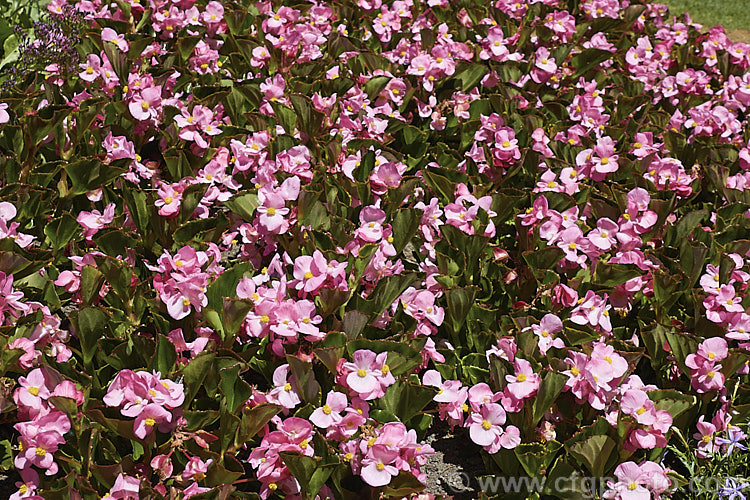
[(710, 356), (521, 378), (168, 200), (361, 373), (486, 425), (34, 391), (264, 319), (271, 211), (89, 70), (506, 144), (327, 409), (633, 485), (144, 105), (641, 410), (385, 369), (380, 466), (575, 371), (40, 452), (288, 387), (304, 444), (605, 160), (308, 275), (150, 422)]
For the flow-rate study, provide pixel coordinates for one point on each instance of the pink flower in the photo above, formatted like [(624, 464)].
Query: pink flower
[(376, 466), (118, 147), (4, 116), (39, 450), (196, 469), (146, 105), (525, 382), (449, 391), (93, 221), (637, 404), (91, 69), (125, 488), (362, 378), (630, 485), (592, 310), (33, 391), (151, 416), (284, 393), (564, 296), (310, 272), (330, 413), (169, 200), (111, 36), (604, 236), (485, 426), (545, 332), (368, 374)]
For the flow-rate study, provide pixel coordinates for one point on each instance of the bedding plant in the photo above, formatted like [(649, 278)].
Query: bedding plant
[(263, 248)]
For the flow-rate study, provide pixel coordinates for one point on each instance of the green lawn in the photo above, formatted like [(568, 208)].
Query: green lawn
[(733, 14)]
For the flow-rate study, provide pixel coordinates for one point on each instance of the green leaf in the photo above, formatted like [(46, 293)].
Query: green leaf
[(226, 285), (587, 60), (471, 76), (672, 401), (88, 175), (253, 421), (236, 390), (309, 118), (536, 457), (386, 292), (405, 399), (594, 452), (303, 375), (91, 323), (550, 387), (403, 486), (354, 323), (375, 86), (401, 357), (286, 116), (459, 301), (310, 472), (10, 50), (165, 356), (61, 230), (243, 205), (546, 258), (615, 274), (195, 373), (91, 283)]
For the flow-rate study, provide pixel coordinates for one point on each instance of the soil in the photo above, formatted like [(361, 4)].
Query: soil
[(7, 478), (452, 470), (739, 36)]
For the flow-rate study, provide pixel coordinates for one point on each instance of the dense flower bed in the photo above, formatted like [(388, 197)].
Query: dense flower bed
[(261, 248)]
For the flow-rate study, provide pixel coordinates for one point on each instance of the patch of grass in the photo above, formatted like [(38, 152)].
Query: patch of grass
[(732, 14)]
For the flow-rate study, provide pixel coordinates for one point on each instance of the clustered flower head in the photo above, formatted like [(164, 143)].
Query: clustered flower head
[(148, 398)]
